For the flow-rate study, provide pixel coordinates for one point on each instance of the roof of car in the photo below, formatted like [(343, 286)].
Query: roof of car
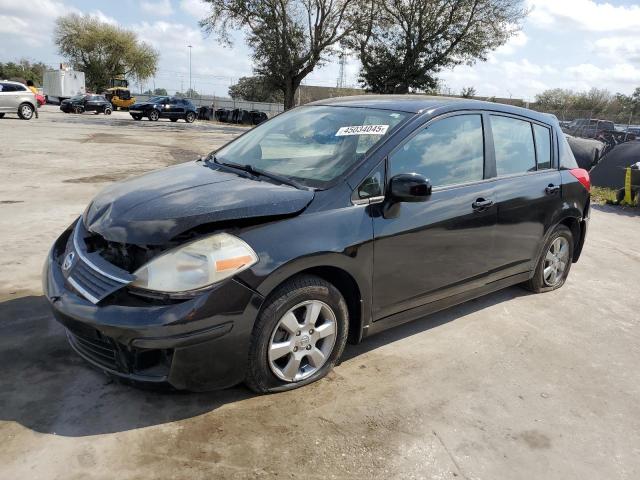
[(12, 81), (423, 103)]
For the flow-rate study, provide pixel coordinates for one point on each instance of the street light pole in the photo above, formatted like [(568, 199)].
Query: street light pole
[(190, 91)]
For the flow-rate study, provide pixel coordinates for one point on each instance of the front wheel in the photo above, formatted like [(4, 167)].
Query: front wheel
[(554, 263), (107, 111), (137, 117), (299, 335), (154, 115), (190, 117)]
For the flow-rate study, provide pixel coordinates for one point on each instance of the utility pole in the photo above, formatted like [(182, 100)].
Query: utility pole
[(190, 90), (341, 74)]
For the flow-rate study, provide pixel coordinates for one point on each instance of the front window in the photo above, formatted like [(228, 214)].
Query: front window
[(313, 145)]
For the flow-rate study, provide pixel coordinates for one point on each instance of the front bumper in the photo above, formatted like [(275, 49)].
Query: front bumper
[(197, 344)]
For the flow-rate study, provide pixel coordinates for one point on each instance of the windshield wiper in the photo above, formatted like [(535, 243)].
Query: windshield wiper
[(258, 172)]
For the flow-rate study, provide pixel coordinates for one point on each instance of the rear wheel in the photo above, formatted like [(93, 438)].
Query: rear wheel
[(190, 117), (154, 115), (107, 110), (298, 337), (25, 111), (137, 117), (78, 109), (554, 263)]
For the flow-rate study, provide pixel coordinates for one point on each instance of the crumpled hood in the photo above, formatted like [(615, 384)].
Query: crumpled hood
[(154, 208)]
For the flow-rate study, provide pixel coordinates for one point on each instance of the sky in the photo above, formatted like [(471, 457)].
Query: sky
[(575, 44)]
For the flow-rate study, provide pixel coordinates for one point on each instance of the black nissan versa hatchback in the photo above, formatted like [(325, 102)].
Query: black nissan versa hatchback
[(329, 222)]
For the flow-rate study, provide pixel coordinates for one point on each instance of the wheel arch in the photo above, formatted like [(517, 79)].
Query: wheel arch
[(28, 103), (344, 281)]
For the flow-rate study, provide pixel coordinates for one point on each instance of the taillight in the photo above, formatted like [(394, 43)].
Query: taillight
[(583, 177)]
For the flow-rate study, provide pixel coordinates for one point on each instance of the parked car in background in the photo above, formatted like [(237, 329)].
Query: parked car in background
[(87, 103), (173, 108), (334, 220), (589, 128), (17, 98)]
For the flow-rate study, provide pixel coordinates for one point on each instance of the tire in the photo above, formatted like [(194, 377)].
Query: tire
[(323, 338), (25, 111), (173, 119), (541, 282), (107, 111), (78, 109), (190, 117), (136, 117), (154, 115), (1, 115)]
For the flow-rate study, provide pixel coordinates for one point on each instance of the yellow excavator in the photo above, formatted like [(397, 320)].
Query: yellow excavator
[(119, 94)]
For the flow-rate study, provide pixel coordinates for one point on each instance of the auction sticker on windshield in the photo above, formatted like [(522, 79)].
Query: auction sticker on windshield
[(362, 130)]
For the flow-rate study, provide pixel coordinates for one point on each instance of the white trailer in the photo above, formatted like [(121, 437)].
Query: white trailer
[(61, 84)]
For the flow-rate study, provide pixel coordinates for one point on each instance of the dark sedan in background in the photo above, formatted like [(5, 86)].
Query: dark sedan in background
[(173, 108), (87, 103)]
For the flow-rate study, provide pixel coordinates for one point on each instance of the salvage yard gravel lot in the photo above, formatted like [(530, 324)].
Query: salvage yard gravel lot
[(509, 386)]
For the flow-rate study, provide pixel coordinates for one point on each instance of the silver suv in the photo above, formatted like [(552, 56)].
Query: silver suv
[(16, 98)]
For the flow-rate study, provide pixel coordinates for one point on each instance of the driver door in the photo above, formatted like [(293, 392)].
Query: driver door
[(429, 250)]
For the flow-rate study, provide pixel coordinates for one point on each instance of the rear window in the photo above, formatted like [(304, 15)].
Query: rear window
[(514, 147)]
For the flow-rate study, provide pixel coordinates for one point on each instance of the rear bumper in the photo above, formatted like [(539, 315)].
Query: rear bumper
[(196, 344)]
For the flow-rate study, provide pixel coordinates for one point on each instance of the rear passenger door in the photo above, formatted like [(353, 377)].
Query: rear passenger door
[(527, 190)]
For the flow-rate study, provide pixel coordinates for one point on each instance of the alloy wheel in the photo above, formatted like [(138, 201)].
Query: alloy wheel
[(556, 261), (27, 112), (302, 341)]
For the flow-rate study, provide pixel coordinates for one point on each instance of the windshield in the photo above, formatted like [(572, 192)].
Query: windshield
[(157, 99), (75, 98), (313, 145)]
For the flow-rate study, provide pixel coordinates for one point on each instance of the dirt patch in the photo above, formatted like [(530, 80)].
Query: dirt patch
[(181, 155), (106, 177)]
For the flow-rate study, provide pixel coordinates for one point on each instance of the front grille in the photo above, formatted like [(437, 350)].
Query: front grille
[(87, 272), (99, 349), (91, 283)]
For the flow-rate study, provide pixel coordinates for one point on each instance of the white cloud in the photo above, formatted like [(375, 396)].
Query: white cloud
[(516, 42), (584, 14), (622, 47), (214, 68), (195, 8), (160, 8), (101, 16), (29, 22)]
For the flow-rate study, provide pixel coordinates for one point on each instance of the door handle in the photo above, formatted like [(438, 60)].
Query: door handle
[(551, 189), (481, 204)]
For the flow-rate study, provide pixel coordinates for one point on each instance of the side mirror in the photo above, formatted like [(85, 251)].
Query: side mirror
[(409, 187)]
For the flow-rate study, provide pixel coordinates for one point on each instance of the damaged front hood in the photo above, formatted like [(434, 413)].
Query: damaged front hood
[(154, 208)]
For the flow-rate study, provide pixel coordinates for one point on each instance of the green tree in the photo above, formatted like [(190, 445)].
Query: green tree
[(405, 43), (23, 70), (596, 101), (190, 93), (255, 89), (556, 99), (160, 92), (289, 38), (103, 51), (468, 92)]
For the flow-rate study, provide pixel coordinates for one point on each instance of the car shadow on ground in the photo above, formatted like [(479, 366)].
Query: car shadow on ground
[(618, 210), (47, 388)]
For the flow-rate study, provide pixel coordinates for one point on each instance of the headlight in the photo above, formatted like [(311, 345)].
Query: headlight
[(196, 264)]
